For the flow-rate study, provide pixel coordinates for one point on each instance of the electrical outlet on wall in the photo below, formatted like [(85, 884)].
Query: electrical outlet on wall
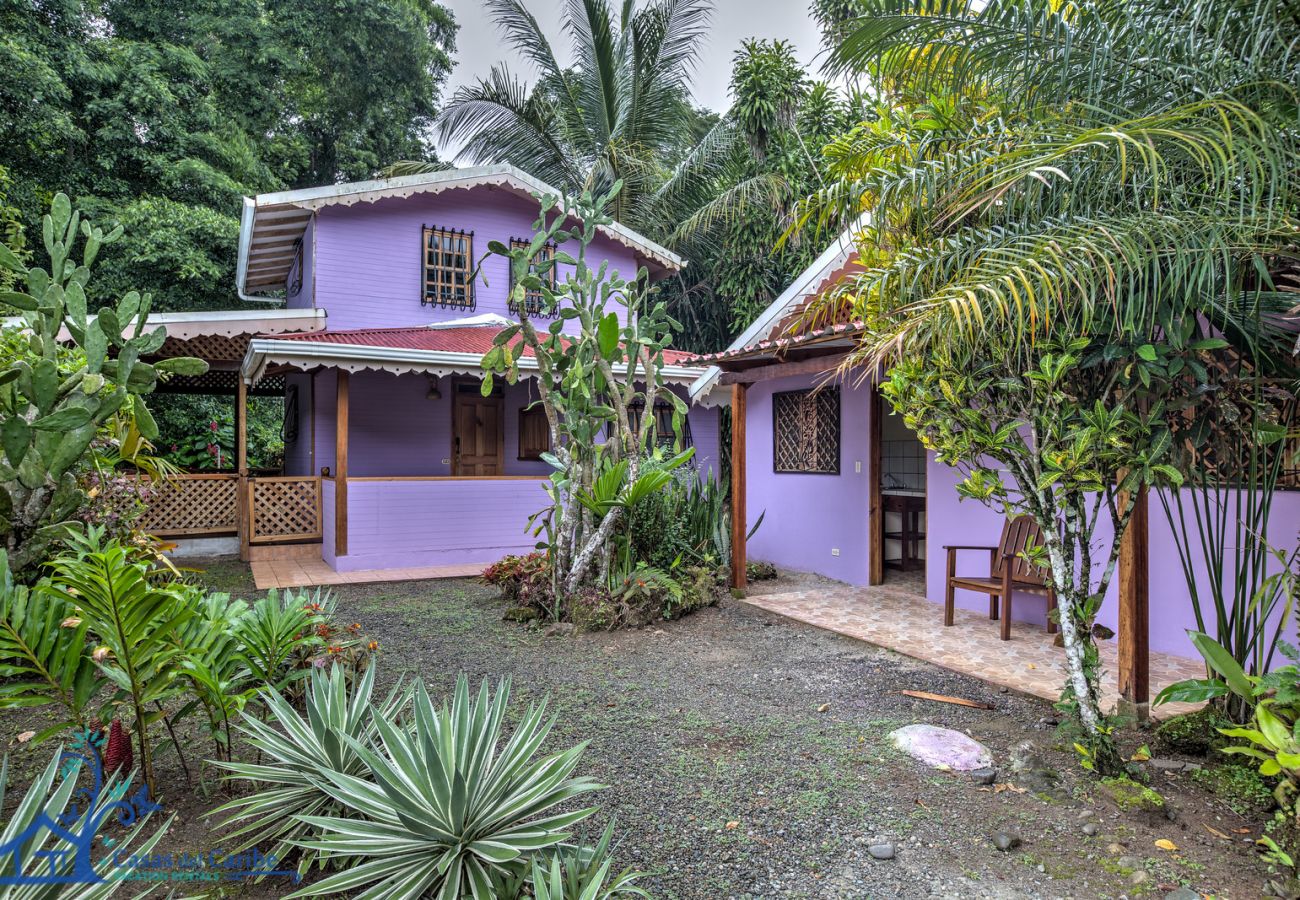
[(835, 551), (857, 466), (446, 461)]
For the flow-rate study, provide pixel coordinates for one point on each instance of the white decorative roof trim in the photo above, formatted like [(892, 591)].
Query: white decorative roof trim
[(220, 323), (486, 320), (805, 283), (265, 352), (289, 212)]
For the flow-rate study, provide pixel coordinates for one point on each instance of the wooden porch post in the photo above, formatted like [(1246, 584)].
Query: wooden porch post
[(1134, 614), (342, 391), (875, 508), (243, 503), (739, 558)]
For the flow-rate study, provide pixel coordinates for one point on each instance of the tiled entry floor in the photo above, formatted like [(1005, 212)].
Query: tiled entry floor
[(900, 620), (284, 573)]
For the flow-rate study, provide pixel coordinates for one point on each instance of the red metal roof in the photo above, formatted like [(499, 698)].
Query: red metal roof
[(467, 339)]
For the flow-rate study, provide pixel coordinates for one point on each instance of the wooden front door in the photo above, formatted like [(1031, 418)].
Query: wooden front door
[(477, 431)]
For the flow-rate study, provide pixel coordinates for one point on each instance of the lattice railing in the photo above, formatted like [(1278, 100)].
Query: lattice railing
[(284, 508), (193, 504)]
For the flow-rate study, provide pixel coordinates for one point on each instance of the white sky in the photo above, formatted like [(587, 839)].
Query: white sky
[(478, 44)]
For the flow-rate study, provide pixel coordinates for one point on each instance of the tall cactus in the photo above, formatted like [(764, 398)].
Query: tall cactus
[(72, 371)]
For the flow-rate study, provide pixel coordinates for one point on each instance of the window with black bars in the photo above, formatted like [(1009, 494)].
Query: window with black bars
[(448, 268), (806, 431), (665, 435), (534, 303)]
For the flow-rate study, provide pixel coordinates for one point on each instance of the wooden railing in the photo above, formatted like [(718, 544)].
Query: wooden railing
[(284, 508), (186, 505)]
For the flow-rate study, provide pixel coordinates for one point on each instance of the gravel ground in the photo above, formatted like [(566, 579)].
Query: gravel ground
[(747, 756)]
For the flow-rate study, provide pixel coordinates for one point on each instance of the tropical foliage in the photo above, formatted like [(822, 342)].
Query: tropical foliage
[(1087, 200), (620, 116), (1271, 737), (160, 116), (592, 385), (54, 400)]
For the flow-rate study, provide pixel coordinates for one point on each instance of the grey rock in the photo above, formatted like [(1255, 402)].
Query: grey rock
[(881, 851), (1090, 829), (1161, 764), (1182, 893), (1129, 862), (985, 775), (1139, 877), (560, 629), (1006, 840)]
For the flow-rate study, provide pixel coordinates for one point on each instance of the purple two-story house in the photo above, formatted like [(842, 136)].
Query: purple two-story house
[(394, 459)]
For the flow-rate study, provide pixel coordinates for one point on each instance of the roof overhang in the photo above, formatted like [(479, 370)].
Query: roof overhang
[(265, 353), (811, 281), (272, 224), (187, 326)]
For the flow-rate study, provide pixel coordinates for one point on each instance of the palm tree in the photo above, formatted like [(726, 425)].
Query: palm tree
[(1094, 174), (621, 112)]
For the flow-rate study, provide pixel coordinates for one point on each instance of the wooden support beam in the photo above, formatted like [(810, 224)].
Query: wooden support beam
[(243, 504), (1134, 613), (342, 392), (875, 503), (739, 527), (813, 366)]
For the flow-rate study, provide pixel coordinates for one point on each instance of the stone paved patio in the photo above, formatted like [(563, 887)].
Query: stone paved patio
[(898, 618)]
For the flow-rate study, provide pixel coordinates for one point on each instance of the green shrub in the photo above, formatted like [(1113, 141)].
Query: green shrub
[(1241, 787)]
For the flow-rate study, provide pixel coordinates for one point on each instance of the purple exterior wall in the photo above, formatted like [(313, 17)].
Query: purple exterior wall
[(808, 515), (400, 524), (368, 259), (953, 521)]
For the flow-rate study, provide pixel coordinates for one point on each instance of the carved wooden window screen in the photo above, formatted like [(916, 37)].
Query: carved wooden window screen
[(448, 268), (806, 431), (534, 303)]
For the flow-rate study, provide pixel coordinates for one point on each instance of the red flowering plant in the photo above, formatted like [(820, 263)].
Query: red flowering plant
[(525, 583), (210, 448)]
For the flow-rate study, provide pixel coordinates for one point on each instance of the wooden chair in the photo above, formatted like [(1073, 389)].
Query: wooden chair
[(1008, 572)]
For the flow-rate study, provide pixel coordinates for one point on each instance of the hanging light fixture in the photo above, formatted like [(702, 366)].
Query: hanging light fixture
[(434, 393)]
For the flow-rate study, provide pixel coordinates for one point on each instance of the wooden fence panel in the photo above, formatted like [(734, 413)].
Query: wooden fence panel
[(186, 505), (285, 508)]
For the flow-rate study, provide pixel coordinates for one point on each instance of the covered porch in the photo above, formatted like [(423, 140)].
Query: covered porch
[(851, 515), (419, 473)]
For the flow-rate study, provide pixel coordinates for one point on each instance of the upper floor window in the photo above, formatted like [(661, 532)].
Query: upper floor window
[(448, 268), (534, 302), (806, 431), (295, 273), (534, 432)]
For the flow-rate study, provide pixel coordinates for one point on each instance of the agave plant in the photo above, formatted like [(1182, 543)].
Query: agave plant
[(296, 754), (582, 872), (49, 816), (453, 806)]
